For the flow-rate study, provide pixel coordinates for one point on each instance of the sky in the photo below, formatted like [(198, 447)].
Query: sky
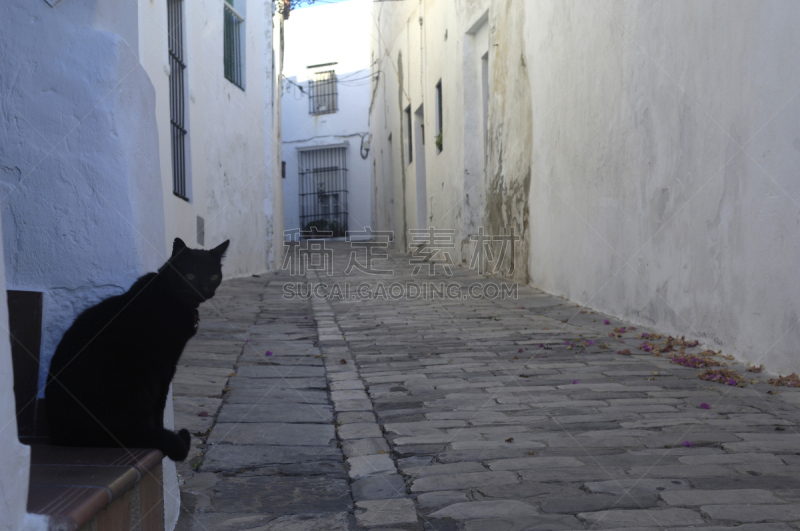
[(320, 2)]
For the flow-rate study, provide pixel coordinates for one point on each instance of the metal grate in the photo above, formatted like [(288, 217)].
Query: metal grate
[(177, 103), (234, 64), (322, 95), (323, 190)]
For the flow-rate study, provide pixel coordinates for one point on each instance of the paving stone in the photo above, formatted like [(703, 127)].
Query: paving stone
[(719, 497), (637, 486), (731, 459), (659, 518), (598, 502), (353, 405), (269, 411), (471, 479), (276, 393), (529, 490), (441, 498), (753, 513), (281, 495), (585, 473), (276, 433), (379, 487), (266, 385), (359, 447), (438, 470), (360, 430), (534, 462), (309, 522), (680, 471), (279, 371), (368, 465), (353, 417), (486, 509), (746, 482), (224, 457), (375, 513)]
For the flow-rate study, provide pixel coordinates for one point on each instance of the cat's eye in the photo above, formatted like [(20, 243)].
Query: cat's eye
[(214, 277), (190, 276)]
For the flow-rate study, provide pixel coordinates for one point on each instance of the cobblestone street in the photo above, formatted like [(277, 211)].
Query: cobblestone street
[(526, 413)]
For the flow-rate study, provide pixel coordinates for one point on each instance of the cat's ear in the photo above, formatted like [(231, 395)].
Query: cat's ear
[(219, 250), (177, 246)]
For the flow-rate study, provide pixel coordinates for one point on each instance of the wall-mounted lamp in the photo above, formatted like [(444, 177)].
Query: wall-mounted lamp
[(365, 140)]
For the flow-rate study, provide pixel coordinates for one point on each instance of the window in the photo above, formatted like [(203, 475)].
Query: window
[(234, 44), (323, 190), (322, 96), (410, 135), (177, 100), (439, 144)]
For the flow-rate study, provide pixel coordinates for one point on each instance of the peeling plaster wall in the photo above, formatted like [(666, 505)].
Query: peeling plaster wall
[(79, 179), (232, 150), (645, 151), (509, 142), (666, 150)]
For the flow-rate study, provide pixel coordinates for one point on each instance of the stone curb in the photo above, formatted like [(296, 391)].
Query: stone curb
[(378, 488)]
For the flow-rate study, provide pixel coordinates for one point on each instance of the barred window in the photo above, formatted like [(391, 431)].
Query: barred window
[(323, 190), (322, 96), (234, 45), (177, 101)]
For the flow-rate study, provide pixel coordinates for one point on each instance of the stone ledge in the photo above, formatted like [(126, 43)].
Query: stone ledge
[(96, 488)]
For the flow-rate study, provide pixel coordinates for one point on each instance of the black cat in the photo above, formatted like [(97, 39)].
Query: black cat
[(110, 374)]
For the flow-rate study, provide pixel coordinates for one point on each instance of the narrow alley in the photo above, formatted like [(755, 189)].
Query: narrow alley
[(467, 412)]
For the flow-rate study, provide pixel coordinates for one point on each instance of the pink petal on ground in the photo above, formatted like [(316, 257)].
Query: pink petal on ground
[(522, 350), (203, 414), (688, 444), (575, 381), (268, 353), (606, 322), (705, 406)]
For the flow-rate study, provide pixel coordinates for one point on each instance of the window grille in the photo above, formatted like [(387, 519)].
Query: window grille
[(234, 47), (322, 95), (177, 102), (323, 190)]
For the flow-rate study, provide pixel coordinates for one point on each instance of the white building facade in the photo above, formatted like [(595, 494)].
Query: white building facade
[(325, 103), (88, 159), (644, 152)]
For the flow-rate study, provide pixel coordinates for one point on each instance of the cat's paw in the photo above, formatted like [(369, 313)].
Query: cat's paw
[(185, 437), (180, 446)]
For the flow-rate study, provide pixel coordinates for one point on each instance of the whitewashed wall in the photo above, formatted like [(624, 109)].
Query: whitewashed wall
[(80, 185), (80, 188), (646, 150), (314, 36), (233, 147)]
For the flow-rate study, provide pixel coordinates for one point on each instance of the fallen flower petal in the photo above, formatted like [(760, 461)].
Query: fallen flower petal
[(203, 414), (575, 381), (268, 353), (606, 322), (688, 444), (705, 406)]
